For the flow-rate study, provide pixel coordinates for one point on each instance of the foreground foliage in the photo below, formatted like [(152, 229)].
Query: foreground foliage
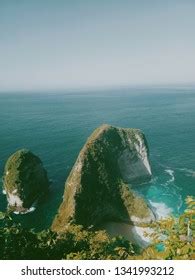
[(172, 239), (75, 243)]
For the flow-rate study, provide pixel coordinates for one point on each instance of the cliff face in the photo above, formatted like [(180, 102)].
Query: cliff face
[(96, 189), (25, 179)]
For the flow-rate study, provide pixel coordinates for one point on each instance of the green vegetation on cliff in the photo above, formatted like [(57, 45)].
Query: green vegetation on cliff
[(96, 190), (25, 179)]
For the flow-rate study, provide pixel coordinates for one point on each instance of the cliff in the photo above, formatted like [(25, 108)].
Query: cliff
[(96, 190), (24, 180)]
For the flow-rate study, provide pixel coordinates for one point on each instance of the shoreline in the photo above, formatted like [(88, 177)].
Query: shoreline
[(133, 233)]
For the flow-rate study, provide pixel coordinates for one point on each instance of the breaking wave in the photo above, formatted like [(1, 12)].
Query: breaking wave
[(31, 209), (3, 191), (160, 209), (171, 173)]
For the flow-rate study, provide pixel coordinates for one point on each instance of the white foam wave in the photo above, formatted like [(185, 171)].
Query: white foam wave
[(160, 209), (142, 235), (171, 173), (188, 172), (3, 191), (31, 209)]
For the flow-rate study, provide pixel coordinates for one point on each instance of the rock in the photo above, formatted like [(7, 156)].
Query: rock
[(96, 190), (24, 180)]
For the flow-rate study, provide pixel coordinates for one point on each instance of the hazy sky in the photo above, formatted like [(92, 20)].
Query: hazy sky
[(47, 44)]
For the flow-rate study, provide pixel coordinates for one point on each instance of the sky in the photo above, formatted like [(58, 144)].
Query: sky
[(73, 44)]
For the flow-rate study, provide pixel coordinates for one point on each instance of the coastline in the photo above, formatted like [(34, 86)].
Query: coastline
[(133, 233)]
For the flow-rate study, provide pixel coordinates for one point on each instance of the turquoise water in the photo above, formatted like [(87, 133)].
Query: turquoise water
[(56, 125)]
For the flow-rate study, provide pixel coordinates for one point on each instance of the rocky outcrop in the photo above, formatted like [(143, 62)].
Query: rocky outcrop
[(96, 190), (24, 180)]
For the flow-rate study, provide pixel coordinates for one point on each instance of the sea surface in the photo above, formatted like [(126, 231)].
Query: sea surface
[(55, 126)]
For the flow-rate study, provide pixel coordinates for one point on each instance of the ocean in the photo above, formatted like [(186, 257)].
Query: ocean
[(56, 125)]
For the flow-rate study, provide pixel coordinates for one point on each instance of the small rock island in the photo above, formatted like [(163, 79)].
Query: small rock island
[(24, 180), (97, 189)]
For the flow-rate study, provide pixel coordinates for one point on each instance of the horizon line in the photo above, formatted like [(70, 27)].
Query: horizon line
[(101, 88)]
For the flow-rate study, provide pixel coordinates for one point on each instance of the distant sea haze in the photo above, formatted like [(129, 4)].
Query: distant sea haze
[(56, 126)]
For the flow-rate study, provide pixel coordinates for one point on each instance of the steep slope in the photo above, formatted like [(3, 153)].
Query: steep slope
[(96, 189), (25, 179)]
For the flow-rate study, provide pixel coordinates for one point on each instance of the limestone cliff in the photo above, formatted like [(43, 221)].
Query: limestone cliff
[(96, 189), (25, 179)]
